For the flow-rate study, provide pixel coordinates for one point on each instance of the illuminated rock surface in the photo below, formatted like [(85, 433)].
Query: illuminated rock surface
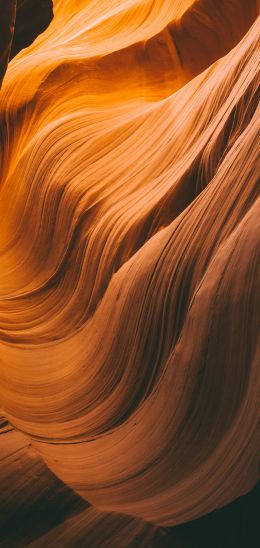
[(129, 268)]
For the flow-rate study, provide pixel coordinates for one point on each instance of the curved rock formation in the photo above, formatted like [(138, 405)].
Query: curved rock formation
[(32, 18), (129, 292)]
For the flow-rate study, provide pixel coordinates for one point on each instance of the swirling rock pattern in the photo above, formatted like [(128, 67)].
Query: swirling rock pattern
[(129, 292)]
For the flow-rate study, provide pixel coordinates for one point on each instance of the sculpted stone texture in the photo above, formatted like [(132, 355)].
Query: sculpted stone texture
[(129, 263)]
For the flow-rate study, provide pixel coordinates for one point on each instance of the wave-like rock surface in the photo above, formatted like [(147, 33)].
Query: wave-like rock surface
[(129, 292)]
